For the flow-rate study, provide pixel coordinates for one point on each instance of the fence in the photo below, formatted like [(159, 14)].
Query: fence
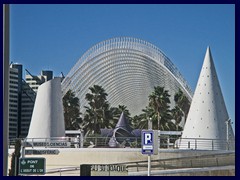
[(165, 142), (215, 160)]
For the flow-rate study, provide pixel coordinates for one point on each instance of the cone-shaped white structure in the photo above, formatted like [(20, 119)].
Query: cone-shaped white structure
[(47, 118), (207, 117)]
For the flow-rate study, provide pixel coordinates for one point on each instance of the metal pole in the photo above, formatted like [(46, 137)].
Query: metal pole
[(168, 141), (149, 164), (23, 148), (227, 129), (227, 124), (149, 123), (15, 164), (5, 86)]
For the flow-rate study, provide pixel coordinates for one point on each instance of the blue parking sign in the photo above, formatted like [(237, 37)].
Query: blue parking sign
[(149, 143)]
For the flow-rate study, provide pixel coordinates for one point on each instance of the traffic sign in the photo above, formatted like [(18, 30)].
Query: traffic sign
[(149, 142), (32, 166)]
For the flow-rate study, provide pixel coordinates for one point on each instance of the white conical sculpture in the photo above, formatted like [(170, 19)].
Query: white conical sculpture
[(47, 118), (207, 118)]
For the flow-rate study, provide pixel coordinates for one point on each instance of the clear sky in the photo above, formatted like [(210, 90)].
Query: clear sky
[(54, 37)]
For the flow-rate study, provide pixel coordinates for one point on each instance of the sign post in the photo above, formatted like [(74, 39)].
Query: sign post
[(149, 145), (32, 166)]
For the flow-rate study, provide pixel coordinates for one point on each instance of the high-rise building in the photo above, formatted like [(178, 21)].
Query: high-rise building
[(13, 101), (27, 103), (22, 96), (35, 81)]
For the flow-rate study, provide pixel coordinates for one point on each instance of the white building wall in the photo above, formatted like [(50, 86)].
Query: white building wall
[(208, 114), (47, 119)]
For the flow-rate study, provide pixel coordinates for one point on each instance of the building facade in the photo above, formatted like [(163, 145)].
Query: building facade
[(22, 96), (13, 102), (27, 103), (35, 81)]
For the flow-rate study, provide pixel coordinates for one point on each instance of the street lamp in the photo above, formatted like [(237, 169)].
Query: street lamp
[(227, 125), (150, 123), (227, 134)]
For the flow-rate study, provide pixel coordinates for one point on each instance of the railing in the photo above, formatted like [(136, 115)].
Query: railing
[(222, 159), (165, 142), (214, 160)]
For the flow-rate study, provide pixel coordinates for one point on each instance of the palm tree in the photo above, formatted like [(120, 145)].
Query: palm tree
[(159, 100), (98, 114), (177, 114), (182, 102), (89, 122), (71, 111), (141, 121), (166, 121)]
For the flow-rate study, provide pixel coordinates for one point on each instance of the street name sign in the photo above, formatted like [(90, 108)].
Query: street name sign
[(42, 151), (149, 142), (32, 166), (48, 144)]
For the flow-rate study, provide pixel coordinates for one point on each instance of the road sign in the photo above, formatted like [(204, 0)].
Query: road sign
[(48, 144), (42, 151), (32, 166), (149, 142)]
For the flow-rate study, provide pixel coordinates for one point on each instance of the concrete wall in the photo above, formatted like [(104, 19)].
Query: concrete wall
[(73, 157)]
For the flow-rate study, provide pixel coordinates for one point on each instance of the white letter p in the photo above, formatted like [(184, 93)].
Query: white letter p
[(147, 138)]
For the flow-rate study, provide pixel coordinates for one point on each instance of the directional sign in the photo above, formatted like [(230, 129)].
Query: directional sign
[(32, 165), (149, 142), (48, 144), (42, 151)]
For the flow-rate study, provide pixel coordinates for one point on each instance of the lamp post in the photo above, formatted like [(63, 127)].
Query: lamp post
[(150, 123), (227, 133)]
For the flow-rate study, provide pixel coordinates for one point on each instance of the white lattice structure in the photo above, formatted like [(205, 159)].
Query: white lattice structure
[(128, 69), (207, 123), (47, 118)]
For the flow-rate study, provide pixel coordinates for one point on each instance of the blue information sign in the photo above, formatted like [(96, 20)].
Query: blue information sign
[(147, 142)]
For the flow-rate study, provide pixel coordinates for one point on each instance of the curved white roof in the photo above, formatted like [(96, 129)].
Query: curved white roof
[(128, 69)]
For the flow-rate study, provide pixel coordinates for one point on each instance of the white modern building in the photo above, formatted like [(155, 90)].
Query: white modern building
[(208, 125), (128, 69), (47, 119)]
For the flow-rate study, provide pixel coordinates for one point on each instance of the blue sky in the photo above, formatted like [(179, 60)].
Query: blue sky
[(55, 36)]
